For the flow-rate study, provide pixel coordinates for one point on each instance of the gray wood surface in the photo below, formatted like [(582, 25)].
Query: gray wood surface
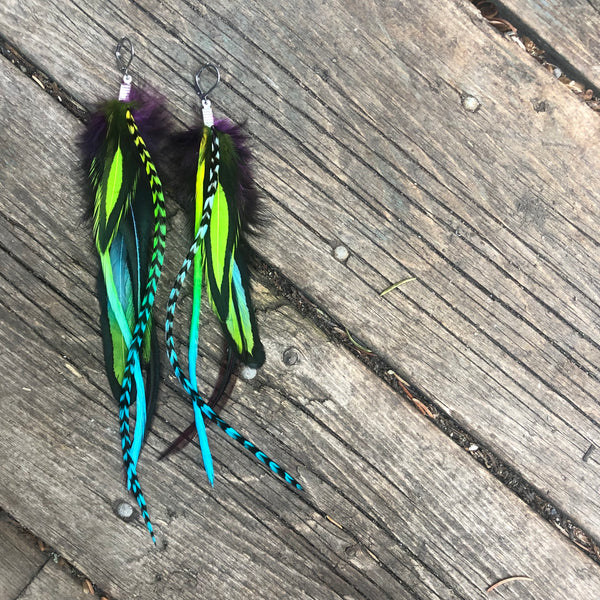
[(363, 141), (569, 29), (20, 559), (55, 582), (393, 508)]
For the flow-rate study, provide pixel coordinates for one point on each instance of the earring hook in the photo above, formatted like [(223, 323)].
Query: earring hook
[(124, 44), (123, 64), (207, 67)]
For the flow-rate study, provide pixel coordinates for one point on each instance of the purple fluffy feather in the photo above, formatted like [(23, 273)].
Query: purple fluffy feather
[(148, 110), (185, 147), (247, 196)]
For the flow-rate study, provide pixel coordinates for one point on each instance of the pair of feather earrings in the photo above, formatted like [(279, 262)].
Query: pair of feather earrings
[(130, 232)]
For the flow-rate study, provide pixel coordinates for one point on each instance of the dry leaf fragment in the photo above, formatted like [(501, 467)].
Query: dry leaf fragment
[(423, 409)]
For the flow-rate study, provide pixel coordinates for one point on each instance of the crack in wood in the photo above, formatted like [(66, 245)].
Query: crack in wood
[(508, 23)]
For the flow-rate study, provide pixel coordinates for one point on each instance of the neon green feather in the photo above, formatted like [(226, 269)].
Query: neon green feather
[(219, 237), (114, 181), (198, 263)]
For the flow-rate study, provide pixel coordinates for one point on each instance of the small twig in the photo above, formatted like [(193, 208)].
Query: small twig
[(372, 555), (507, 580), (588, 452), (38, 82), (333, 521), (398, 284), (390, 372), (582, 546)]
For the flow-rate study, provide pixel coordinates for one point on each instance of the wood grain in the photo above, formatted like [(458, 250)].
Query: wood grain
[(20, 559), (362, 140), (393, 509), (54, 582)]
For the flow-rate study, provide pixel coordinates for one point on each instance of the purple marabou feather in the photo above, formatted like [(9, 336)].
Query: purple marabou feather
[(150, 115), (247, 192), (94, 135), (184, 153), (184, 148), (152, 119)]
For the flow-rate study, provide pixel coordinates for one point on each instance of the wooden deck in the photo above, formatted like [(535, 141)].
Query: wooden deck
[(359, 114)]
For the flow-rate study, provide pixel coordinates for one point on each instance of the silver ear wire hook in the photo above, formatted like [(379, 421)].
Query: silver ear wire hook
[(207, 67), (125, 44)]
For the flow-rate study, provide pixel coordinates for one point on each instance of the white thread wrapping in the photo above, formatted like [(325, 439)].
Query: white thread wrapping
[(125, 90), (207, 113)]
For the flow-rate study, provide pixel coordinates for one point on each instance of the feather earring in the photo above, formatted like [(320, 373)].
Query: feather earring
[(129, 231), (220, 193), (186, 155)]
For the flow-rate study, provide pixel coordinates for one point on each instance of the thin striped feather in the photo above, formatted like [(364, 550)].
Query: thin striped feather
[(196, 311), (195, 258), (157, 257), (205, 187), (197, 262), (172, 354), (224, 381)]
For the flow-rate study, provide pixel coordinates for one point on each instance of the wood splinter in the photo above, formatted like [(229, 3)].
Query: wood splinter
[(507, 580)]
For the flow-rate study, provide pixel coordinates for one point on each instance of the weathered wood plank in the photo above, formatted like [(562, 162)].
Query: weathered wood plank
[(417, 517), (568, 29), (20, 559), (363, 141), (54, 582)]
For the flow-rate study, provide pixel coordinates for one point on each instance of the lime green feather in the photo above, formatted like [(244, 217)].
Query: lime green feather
[(121, 284), (198, 263), (220, 246), (114, 186)]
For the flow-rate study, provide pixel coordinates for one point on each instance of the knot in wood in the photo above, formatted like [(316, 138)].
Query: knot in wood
[(291, 356)]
